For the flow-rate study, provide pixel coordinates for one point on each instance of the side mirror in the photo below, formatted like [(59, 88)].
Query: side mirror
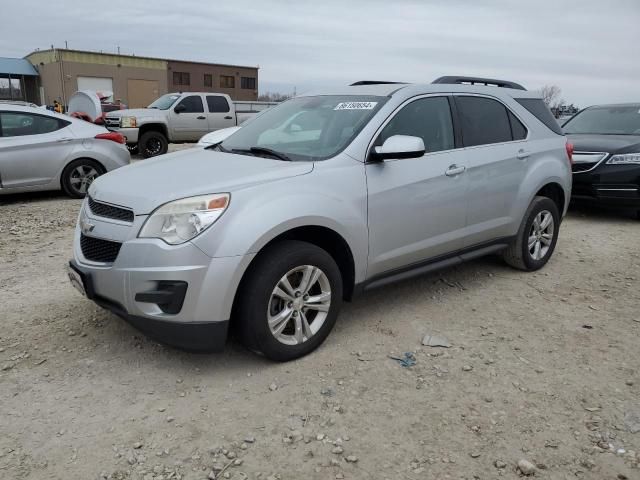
[(179, 108), (399, 146)]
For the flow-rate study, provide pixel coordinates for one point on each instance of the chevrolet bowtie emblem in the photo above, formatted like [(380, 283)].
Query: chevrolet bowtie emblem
[(86, 226)]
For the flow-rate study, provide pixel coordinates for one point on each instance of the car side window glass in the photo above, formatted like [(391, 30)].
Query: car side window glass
[(16, 124), (427, 118), (217, 104), (518, 130), (483, 120), (192, 104)]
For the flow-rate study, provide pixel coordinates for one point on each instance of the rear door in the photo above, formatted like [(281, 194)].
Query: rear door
[(220, 114), (494, 142), (33, 148), (188, 119), (417, 206)]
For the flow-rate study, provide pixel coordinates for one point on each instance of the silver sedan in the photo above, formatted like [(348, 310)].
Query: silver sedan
[(44, 150)]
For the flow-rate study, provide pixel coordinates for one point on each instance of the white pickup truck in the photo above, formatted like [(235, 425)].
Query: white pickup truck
[(179, 118)]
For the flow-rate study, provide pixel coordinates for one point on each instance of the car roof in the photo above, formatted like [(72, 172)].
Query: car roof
[(613, 105), (411, 89)]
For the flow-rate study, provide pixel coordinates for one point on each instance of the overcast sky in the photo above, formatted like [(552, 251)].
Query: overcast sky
[(589, 48)]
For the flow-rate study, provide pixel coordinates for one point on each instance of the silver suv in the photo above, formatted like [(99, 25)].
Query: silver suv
[(318, 200)]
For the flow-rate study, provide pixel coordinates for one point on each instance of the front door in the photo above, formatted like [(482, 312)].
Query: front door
[(188, 119), (33, 148), (417, 207)]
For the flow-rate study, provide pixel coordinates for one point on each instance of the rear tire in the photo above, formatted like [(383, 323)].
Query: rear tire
[(78, 176), (537, 236), (152, 144), (278, 313)]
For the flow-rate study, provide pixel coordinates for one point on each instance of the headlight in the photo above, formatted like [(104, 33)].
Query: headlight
[(625, 159), (181, 220), (128, 122)]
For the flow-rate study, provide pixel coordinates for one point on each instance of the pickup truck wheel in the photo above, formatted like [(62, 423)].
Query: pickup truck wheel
[(289, 301), (133, 148), (152, 144), (537, 236), (78, 176)]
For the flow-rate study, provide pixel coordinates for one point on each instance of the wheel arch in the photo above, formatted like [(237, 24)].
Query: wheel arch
[(153, 127), (555, 192)]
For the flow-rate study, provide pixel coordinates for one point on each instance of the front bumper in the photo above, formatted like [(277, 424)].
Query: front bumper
[(614, 185), (131, 134), (177, 295)]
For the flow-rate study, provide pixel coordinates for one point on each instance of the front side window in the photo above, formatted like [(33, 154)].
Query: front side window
[(483, 121), (16, 124), (192, 104), (307, 128), (217, 104), (606, 120), (427, 118), (248, 83)]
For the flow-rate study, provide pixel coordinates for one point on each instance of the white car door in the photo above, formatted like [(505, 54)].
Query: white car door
[(220, 114), (33, 148), (188, 119)]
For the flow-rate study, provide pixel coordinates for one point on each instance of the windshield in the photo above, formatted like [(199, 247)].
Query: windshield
[(307, 128), (613, 120), (165, 101)]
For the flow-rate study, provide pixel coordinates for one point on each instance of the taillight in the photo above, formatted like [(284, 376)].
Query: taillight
[(570, 152), (113, 136)]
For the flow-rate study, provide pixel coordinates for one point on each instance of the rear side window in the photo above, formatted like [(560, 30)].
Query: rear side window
[(518, 130), (539, 109), (17, 124), (217, 104), (427, 118), (193, 104), (483, 121)]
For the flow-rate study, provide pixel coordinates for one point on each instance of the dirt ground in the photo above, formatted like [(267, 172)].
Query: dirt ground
[(542, 367)]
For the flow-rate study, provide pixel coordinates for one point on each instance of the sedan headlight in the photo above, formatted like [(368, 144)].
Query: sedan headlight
[(128, 122), (625, 159), (181, 220)]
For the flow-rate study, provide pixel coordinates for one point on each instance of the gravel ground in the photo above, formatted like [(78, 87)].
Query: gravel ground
[(542, 372)]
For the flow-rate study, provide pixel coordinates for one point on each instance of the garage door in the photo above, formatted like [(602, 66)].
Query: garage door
[(98, 84), (141, 93)]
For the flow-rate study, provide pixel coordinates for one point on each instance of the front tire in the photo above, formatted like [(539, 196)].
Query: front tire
[(78, 176), (537, 236), (152, 144), (289, 300)]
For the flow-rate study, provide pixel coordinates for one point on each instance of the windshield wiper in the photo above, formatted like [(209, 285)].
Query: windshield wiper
[(268, 151)]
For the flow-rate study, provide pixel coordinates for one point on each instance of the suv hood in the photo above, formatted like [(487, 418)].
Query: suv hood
[(136, 112), (147, 184), (583, 142)]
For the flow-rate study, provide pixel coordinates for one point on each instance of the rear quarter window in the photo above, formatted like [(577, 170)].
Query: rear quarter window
[(539, 109)]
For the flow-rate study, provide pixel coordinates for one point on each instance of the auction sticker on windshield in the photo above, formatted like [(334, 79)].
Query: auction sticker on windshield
[(356, 106)]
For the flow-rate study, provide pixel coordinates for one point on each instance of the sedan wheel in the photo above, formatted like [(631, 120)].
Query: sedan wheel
[(299, 305), (81, 178)]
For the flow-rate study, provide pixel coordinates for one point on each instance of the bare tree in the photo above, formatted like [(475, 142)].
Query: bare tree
[(551, 95), (273, 97)]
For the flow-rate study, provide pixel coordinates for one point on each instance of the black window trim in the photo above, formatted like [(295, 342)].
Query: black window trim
[(395, 111), (61, 121), (499, 100)]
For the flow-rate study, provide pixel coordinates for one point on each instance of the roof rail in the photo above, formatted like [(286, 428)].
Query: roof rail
[(375, 82), (479, 80)]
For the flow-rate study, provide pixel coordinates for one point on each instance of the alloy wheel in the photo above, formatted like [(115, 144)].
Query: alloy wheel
[(299, 305), (81, 178), (541, 235)]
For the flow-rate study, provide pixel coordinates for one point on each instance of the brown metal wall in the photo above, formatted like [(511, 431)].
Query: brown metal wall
[(198, 70)]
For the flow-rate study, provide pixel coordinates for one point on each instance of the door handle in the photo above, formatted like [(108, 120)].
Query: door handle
[(228, 117), (64, 140), (201, 118), (522, 155), (454, 170)]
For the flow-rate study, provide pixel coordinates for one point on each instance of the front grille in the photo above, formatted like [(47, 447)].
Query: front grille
[(99, 250), (109, 211), (113, 122), (586, 161)]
